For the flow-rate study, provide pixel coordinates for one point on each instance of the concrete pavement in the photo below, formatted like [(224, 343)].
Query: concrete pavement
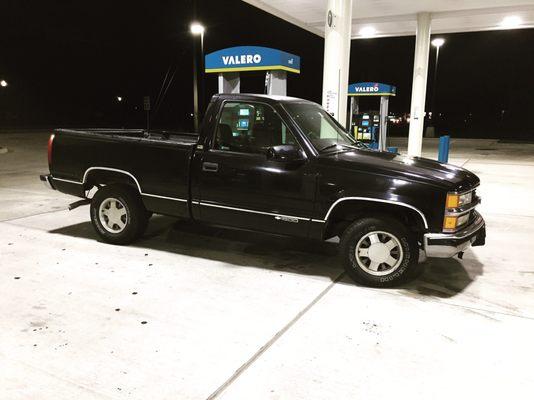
[(198, 313)]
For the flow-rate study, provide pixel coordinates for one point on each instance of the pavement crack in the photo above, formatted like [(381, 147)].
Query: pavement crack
[(34, 215), (272, 341)]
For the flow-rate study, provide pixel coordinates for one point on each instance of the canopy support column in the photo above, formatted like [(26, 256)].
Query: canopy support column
[(229, 82), (276, 82), (382, 138), (420, 74), (336, 58)]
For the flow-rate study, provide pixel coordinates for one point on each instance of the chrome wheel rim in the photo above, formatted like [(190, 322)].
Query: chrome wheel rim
[(113, 215), (379, 253)]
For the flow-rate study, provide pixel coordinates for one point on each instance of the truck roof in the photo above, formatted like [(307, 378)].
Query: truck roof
[(263, 97)]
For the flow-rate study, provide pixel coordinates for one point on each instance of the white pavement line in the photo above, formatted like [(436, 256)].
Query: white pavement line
[(271, 341)]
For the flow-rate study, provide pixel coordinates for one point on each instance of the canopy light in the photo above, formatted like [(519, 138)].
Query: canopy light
[(3, 83), (197, 28), (511, 22), (438, 42), (367, 32)]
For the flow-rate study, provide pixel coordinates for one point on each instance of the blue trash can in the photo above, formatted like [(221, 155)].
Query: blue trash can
[(443, 150)]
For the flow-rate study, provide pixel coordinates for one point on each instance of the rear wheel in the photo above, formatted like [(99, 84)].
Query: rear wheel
[(378, 252), (118, 214)]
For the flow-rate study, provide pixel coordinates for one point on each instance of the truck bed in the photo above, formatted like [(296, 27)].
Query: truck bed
[(156, 162)]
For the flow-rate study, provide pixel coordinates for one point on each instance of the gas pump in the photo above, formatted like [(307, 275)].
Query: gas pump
[(371, 126), (366, 126)]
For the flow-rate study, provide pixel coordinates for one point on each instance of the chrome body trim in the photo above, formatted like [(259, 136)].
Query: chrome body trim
[(164, 197), (67, 181), (398, 203), (112, 170), (280, 217), (121, 172)]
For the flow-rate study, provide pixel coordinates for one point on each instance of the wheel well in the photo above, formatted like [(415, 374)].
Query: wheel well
[(349, 211), (99, 177)]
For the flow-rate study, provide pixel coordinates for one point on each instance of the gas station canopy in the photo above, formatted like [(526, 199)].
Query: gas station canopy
[(371, 89), (228, 63), (339, 21), (251, 58), (399, 17)]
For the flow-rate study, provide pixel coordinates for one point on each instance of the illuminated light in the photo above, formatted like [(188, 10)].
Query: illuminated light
[(367, 32), (197, 28), (438, 42), (3, 83), (453, 200), (119, 98), (511, 22), (450, 222)]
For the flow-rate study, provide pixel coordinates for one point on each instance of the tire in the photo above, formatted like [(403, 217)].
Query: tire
[(118, 214), (383, 264)]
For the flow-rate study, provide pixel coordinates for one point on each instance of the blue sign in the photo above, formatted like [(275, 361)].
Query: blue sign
[(371, 89), (251, 58)]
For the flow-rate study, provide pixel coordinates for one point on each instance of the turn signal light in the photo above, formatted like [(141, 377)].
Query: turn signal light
[(453, 200), (450, 222)]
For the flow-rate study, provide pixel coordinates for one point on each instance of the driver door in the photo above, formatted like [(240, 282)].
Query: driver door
[(241, 187)]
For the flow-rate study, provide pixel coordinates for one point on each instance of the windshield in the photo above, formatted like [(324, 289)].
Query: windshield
[(320, 128)]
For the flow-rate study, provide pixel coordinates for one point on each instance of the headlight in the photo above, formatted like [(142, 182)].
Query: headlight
[(458, 200), (452, 222)]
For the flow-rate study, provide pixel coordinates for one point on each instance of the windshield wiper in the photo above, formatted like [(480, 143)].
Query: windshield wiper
[(328, 147), (335, 145)]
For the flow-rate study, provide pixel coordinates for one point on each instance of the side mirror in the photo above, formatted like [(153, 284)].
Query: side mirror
[(286, 153)]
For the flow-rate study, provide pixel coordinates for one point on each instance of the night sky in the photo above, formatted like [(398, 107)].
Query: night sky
[(67, 61)]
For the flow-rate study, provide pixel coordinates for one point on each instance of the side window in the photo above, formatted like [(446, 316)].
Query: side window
[(250, 128)]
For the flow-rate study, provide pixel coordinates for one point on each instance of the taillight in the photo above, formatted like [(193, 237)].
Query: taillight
[(50, 144)]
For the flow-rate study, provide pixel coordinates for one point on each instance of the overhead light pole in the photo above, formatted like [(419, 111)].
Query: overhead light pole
[(437, 43), (197, 29)]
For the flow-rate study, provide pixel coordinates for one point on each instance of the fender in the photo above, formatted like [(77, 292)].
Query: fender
[(397, 203)]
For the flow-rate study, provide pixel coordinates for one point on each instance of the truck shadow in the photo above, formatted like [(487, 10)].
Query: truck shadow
[(437, 278)]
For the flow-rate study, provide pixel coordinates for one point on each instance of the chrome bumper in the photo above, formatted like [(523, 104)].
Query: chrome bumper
[(445, 245)]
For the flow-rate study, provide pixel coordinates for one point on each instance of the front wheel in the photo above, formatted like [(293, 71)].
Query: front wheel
[(378, 252), (118, 214)]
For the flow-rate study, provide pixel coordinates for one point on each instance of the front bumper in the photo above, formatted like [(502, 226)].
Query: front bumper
[(47, 181), (445, 245)]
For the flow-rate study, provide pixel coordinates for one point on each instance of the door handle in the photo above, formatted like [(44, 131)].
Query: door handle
[(210, 167)]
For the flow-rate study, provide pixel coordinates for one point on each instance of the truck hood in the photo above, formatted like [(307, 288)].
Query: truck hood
[(424, 170)]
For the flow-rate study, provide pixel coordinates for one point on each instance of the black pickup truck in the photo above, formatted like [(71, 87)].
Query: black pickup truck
[(274, 164)]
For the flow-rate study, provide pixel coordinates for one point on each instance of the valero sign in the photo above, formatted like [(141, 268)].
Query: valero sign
[(251, 58), (371, 89)]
